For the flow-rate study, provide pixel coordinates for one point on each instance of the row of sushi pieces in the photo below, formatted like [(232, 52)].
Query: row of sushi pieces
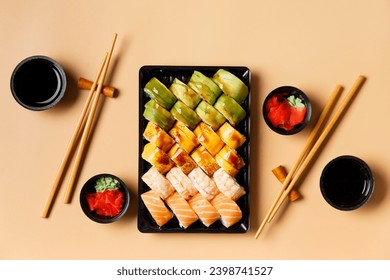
[(193, 197), (188, 149), (212, 100), (194, 185)]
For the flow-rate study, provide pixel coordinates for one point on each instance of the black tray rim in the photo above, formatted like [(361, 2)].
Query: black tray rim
[(244, 225)]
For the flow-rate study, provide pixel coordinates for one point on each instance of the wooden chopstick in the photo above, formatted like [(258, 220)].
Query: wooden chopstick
[(309, 143), (354, 90), (88, 125), (71, 145), (72, 142), (306, 150), (311, 139), (84, 137)]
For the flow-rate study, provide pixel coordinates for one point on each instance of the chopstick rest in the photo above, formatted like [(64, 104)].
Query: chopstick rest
[(108, 91), (280, 173)]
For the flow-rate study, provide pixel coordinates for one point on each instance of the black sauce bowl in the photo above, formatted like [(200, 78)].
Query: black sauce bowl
[(89, 187), (38, 83), (347, 182), (284, 92)]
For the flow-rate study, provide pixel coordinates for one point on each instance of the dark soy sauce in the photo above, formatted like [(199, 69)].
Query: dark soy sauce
[(346, 183), (38, 82)]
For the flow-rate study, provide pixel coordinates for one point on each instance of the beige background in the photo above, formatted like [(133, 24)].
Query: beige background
[(313, 45)]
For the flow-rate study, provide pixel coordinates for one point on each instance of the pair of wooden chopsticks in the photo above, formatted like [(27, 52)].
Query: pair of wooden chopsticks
[(85, 121), (312, 145)]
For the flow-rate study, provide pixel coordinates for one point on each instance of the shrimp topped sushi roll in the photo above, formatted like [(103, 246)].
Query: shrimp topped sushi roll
[(228, 185), (183, 211), (156, 207), (203, 183), (181, 183), (157, 182)]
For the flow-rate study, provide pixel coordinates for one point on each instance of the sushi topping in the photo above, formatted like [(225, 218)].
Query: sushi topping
[(284, 112), (108, 199)]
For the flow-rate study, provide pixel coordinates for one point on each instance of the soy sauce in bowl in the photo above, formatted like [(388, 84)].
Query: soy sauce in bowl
[(38, 83), (347, 183)]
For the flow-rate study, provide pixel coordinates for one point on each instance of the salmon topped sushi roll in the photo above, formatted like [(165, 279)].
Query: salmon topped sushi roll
[(182, 210), (203, 208), (156, 207), (228, 209), (157, 182), (203, 183), (181, 183), (228, 185)]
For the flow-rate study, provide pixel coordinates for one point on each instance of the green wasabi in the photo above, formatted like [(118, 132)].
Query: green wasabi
[(106, 183)]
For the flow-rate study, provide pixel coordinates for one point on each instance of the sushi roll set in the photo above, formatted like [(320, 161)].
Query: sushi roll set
[(194, 149)]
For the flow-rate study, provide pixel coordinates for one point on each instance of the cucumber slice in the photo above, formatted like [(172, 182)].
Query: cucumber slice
[(184, 93), (158, 91), (205, 87), (231, 110), (231, 85), (158, 115), (210, 115), (185, 114)]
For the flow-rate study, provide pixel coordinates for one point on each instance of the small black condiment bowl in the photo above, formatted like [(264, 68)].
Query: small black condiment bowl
[(284, 92), (89, 187), (38, 83), (347, 182)]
